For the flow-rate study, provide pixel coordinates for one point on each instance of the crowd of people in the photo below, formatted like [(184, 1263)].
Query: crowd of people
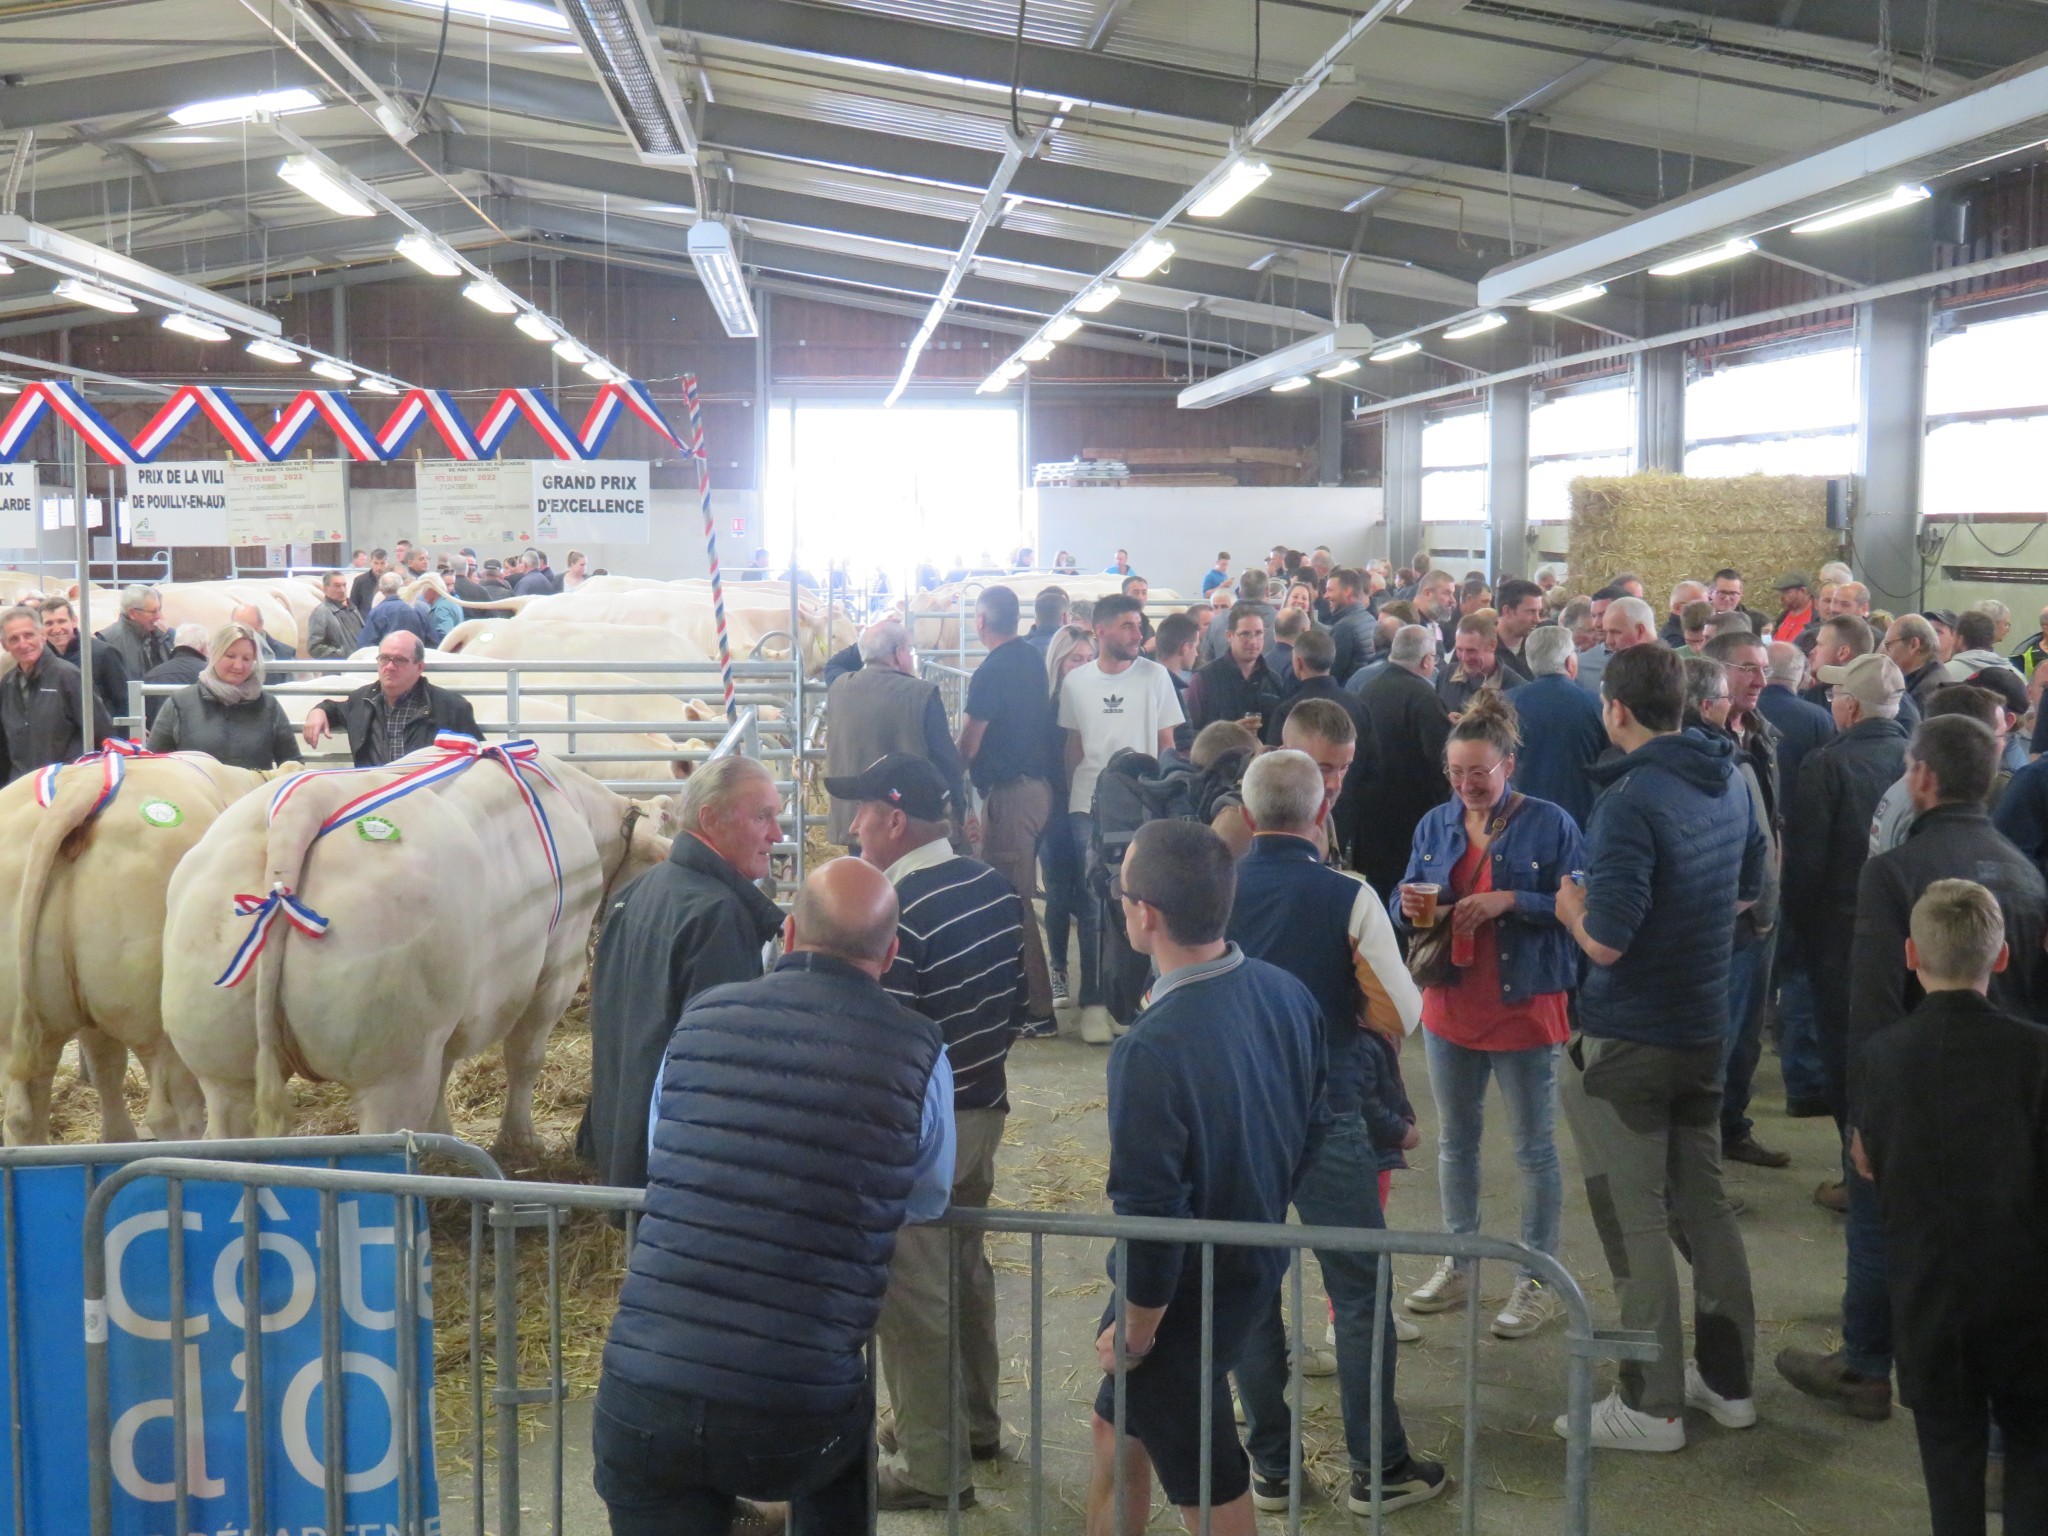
[(1595, 852)]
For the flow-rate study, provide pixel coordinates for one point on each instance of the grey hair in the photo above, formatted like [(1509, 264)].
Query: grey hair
[(1283, 791), (1635, 611), (1993, 609), (21, 611), (138, 596), (191, 636), (1834, 571), (1687, 592), (1578, 614), (712, 786), (389, 582), (1549, 647), (883, 639), (1787, 664), (1411, 643)]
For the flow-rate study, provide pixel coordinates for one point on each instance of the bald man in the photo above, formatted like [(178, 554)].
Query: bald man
[(799, 1121), (252, 616)]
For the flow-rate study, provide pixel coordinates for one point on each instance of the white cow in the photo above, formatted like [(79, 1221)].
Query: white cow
[(85, 952), (440, 944)]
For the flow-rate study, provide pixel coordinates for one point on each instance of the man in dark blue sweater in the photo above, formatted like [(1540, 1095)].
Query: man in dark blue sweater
[(1214, 1098), (1672, 856)]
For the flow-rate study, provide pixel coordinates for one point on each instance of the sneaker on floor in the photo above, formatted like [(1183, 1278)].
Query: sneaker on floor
[(1405, 1332), (1833, 1195), (1618, 1427), (1097, 1027), (1829, 1378), (1316, 1361), (1416, 1481), (1441, 1291), (1039, 1029), (1728, 1412), (894, 1491), (1530, 1305), (1270, 1493), (1747, 1149), (1060, 999)]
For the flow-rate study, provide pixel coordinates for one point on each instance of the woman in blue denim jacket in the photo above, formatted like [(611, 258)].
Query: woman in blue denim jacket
[(1496, 858)]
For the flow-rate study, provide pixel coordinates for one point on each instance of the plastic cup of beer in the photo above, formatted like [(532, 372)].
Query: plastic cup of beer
[(1425, 894)]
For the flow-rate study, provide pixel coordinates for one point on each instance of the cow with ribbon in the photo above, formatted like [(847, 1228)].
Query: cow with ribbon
[(376, 926)]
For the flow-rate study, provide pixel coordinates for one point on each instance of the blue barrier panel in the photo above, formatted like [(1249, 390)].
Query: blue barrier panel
[(45, 1290)]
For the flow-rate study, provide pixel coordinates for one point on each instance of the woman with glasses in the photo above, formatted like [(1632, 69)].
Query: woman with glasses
[(1061, 859), (1487, 864)]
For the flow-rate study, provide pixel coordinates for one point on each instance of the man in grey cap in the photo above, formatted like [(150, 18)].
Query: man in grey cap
[(1800, 617)]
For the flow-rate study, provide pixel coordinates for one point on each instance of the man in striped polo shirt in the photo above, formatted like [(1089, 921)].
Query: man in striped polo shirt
[(960, 963)]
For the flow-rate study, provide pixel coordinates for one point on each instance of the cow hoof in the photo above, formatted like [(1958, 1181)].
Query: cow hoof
[(519, 1154)]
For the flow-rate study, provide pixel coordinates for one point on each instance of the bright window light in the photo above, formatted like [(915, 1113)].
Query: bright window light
[(1289, 386), (1239, 182), (1990, 366), (530, 324), (271, 351), (197, 329), (429, 255), (1979, 468), (1146, 259), (1551, 306), (1856, 213), (1808, 391), (510, 13), (1062, 328), (328, 369), (79, 291), (1477, 326), (570, 353), (1712, 256), (234, 109), (1399, 349), (324, 186), (1828, 453), (490, 296), (1550, 484), (1455, 442), (1454, 496), (1098, 298), (1584, 421)]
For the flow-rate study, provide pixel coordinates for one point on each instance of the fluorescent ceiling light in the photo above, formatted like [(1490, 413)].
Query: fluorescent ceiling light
[(1098, 298), (1712, 256), (1567, 300), (325, 185), (79, 291), (328, 369), (6, 267), (511, 13), (488, 295), (1479, 325), (1035, 351), (1289, 386), (995, 383), (1012, 369), (1061, 328), (718, 269), (1242, 179), (602, 371), (570, 353), (429, 256), (1855, 213), (1338, 370), (234, 109), (1296, 360), (271, 351), (532, 325), (377, 386), (1399, 349), (10, 389), (1147, 259), (69, 256), (631, 64), (198, 330)]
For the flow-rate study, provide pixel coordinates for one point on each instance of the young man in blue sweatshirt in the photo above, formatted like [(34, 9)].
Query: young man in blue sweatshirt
[(1215, 1095)]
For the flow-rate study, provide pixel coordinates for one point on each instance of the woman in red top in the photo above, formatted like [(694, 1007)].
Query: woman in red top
[(1496, 858)]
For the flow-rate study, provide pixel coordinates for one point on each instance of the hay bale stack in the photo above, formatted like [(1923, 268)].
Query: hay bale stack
[(1667, 528)]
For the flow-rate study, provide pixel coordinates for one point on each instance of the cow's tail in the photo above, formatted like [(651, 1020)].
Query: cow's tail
[(55, 827), (290, 839)]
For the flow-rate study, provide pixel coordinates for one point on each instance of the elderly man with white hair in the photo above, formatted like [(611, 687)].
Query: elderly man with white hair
[(1562, 736), (1686, 592), (886, 707), (1801, 725), (137, 636), (250, 616), (1628, 621), (697, 922)]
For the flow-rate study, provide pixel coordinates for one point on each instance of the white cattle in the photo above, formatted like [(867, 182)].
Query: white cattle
[(211, 603), (85, 952), (935, 615), (754, 611), (440, 943)]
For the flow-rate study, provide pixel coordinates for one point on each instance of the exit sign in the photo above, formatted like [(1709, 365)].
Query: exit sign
[(739, 525)]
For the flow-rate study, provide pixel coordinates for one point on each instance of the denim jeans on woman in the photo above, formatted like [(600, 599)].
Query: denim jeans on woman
[(1063, 860), (1528, 1081)]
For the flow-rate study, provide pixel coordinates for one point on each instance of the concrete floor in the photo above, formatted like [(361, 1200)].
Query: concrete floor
[(1804, 1470)]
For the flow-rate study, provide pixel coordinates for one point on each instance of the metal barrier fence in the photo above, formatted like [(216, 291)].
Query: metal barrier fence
[(510, 1207)]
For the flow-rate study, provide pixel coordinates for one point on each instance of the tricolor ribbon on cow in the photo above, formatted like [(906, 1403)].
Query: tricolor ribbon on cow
[(266, 910), (113, 760)]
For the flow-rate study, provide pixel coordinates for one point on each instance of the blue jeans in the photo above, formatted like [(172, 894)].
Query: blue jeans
[(1063, 856), (1749, 973), (1866, 1294), (1338, 1188), (1799, 1040), (1528, 1082)]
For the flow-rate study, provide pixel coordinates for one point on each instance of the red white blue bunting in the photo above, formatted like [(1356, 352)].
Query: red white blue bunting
[(267, 910), (112, 759)]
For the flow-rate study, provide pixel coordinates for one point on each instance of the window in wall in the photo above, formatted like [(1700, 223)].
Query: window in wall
[(1590, 432), (1786, 416), (1992, 463), (1454, 468)]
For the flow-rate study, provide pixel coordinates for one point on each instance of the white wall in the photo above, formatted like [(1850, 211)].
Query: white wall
[(1173, 533)]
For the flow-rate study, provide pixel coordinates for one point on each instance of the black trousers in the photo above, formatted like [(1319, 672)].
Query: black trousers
[(1953, 1449)]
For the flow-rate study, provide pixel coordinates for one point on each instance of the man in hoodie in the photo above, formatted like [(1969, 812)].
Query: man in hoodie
[(1673, 856), (1976, 635)]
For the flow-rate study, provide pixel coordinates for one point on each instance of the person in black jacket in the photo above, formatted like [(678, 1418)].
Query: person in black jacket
[(1961, 1082), (695, 923), (41, 720), (1949, 767), (1402, 747), (801, 1119), (1801, 724), (109, 676), (181, 668), (399, 713), (362, 592), (1351, 623), (1237, 685)]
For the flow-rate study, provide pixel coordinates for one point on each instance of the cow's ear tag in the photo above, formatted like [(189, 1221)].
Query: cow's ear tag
[(375, 829), (161, 813)]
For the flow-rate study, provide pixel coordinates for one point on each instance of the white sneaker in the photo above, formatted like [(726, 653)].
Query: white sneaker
[(1097, 1027), (1618, 1427), (1441, 1291), (1728, 1412), (1405, 1332), (1529, 1307), (1318, 1362)]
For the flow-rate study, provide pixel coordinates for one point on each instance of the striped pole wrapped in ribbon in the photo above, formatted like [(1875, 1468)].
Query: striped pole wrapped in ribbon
[(710, 534), (267, 910)]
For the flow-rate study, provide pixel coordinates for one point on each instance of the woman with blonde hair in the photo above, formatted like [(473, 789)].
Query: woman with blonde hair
[(226, 714)]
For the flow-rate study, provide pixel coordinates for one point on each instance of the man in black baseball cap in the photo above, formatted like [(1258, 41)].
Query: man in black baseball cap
[(899, 781)]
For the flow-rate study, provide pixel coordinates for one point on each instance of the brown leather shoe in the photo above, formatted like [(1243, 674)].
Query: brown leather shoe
[(1755, 1153), (1829, 1378), (894, 1491), (885, 1442), (1832, 1195)]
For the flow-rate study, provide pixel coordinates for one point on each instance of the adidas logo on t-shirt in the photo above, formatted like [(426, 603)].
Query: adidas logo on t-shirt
[(1113, 704)]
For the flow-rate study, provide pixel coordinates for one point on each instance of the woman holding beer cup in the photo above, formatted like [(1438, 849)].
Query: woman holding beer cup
[(1486, 866)]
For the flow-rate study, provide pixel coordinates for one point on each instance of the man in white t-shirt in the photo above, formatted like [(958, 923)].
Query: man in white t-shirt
[(1120, 700)]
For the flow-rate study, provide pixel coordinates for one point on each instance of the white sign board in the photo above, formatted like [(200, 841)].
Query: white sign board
[(58, 513), (601, 501), (18, 506), (178, 505), (474, 504), (301, 501)]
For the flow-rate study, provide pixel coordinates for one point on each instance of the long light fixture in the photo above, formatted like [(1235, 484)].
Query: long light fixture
[(1298, 359), (429, 256), (1242, 179), (235, 109), (377, 386), (488, 295), (1856, 213), (1062, 327), (531, 324), (1035, 351), (198, 330), (1712, 256), (725, 284), (79, 291), (1553, 304), (1000, 380), (511, 13), (271, 351), (1289, 386), (1394, 353), (1338, 370), (603, 372), (1098, 298), (633, 67), (327, 368), (1479, 325), (325, 185), (570, 353), (1147, 259)]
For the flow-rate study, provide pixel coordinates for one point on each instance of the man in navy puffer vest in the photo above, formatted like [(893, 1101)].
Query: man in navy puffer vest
[(799, 1121)]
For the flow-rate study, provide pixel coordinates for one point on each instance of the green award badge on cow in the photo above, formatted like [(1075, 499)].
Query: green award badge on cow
[(375, 829), (162, 813)]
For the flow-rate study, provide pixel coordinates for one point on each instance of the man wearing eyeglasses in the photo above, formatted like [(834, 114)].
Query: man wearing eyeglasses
[(399, 713)]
